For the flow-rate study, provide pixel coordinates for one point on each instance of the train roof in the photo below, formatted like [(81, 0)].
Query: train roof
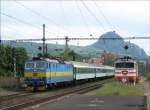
[(50, 60), (130, 60), (81, 64), (74, 63), (87, 65), (126, 59)]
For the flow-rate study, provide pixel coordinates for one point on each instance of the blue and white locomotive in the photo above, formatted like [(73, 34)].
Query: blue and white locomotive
[(41, 73)]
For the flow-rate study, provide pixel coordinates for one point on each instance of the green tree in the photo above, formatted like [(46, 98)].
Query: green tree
[(109, 60), (7, 60), (21, 57), (2, 60), (71, 55)]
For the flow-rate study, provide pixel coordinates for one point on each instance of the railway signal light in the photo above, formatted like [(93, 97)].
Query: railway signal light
[(40, 48), (126, 47)]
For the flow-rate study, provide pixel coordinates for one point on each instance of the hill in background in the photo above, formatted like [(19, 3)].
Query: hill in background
[(94, 50), (55, 49), (116, 46)]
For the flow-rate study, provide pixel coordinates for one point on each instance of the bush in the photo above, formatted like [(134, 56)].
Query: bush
[(7, 60)]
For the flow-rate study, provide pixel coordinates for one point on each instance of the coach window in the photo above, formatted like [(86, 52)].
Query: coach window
[(78, 70), (101, 70)]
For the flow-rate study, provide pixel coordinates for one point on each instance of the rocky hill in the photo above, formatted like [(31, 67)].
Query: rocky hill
[(116, 46)]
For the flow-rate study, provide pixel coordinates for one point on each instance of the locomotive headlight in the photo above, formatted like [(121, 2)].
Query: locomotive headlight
[(124, 72)]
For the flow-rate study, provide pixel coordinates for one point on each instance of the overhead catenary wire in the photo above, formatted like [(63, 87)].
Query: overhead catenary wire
[(22, 21), (44, 17), (142, 33), (35, 12), (106, 19), (65, 20), (94, 16), (82, 17), (63, 13), (19, 20), (79, 38), (19, 31)]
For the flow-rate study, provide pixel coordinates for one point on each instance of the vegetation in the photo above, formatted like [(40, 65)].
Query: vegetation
[(109, 60), (147, 74), (56, 49), (116, 88), (66, 55), (7, 58), (71, 55)]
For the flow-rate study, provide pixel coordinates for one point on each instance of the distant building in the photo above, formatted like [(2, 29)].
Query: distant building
[(99, 60)]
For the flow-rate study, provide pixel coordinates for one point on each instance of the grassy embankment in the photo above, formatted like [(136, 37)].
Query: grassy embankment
[(116, 88), (146, 74)]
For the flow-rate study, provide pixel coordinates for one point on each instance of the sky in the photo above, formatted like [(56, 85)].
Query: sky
[(24, 19)]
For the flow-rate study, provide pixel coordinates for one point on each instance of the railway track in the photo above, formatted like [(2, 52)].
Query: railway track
[(28, 100), (13, 96)]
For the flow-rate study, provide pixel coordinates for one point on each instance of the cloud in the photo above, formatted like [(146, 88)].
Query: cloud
[(129, 17)]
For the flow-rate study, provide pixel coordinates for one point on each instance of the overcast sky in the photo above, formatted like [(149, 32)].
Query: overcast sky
[(76, 19)]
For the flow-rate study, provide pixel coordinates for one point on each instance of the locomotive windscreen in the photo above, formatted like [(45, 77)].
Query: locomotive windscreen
[(41, 64), (124, 65), (29, 65), (36, 64)]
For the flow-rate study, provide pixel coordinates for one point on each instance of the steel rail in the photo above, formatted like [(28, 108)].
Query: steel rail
[(78, 90), (14, 96)]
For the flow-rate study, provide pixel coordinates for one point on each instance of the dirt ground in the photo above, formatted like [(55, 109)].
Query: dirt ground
[(145, 82)]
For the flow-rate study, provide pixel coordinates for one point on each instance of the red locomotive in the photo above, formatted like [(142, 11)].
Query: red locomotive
[(126, 70)]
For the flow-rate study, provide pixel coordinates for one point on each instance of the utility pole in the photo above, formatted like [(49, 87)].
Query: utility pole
[(14, 60), (43, 39), (66, 47), (66, 44), (46, 49), (0, 37), (0, 40)]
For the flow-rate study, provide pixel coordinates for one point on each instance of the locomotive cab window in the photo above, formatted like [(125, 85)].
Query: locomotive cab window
[(125, 65), (29, 65), (41, 64)]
